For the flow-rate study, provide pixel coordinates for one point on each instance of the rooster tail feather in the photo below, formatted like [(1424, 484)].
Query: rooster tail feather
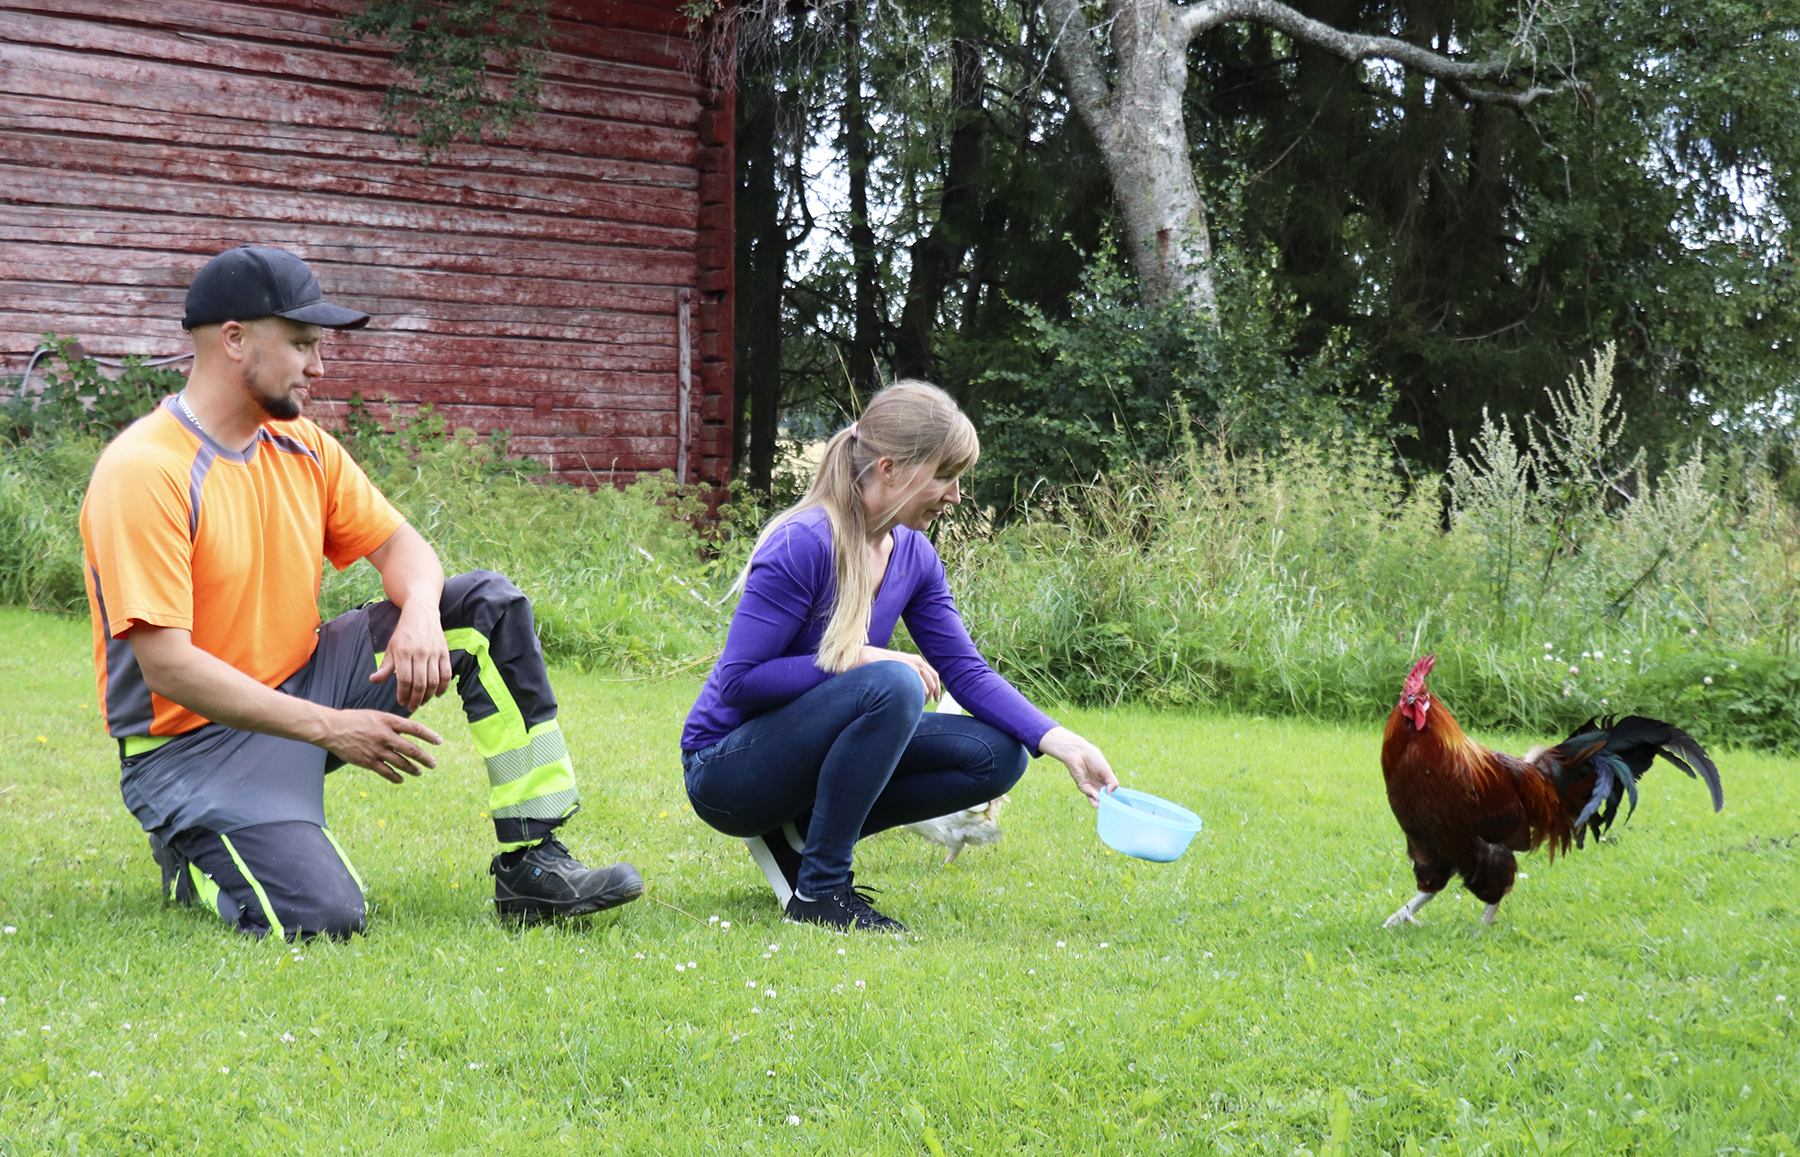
[(1681, 749)]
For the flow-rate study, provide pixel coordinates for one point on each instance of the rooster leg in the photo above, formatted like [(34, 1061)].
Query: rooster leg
[(953, 854), (1488, 918), (1406, 913)]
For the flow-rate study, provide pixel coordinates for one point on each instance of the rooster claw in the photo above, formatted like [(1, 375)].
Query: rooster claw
[(1406, 913)]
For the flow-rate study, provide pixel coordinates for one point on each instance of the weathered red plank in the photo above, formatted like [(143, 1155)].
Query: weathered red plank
[(414, 264), (112, 191), (129, 82), (326, 64)]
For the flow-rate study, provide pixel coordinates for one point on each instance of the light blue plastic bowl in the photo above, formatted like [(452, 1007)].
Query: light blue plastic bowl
[(1139, 824)]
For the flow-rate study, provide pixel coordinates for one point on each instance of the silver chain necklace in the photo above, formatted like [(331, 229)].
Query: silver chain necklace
[(181, 400)]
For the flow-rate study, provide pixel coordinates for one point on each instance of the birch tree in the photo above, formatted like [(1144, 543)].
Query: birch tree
[(1127, 76)]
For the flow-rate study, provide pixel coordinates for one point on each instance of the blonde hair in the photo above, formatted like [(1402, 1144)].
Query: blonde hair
[(914, 423)]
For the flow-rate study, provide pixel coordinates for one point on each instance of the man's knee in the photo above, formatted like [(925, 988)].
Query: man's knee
[(482, 587), (339, 917), (890, 684)]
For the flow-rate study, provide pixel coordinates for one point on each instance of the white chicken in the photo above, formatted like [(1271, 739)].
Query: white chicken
[(970, 827)]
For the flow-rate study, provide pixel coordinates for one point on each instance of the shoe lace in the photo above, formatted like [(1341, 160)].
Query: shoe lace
[(860, 901)]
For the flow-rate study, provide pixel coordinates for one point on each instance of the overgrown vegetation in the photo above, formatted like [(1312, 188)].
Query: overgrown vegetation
[(1555, 576)]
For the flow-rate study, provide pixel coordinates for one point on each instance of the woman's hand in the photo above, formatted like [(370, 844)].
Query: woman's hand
[(934, 687), (1087, 767)]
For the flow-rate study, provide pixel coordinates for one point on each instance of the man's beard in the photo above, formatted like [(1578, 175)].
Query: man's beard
[(283, 407)]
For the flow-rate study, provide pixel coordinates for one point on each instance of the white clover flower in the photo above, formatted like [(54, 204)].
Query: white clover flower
[(691, 964), (10, 930), (1599, 654), (1627, 651), (92, 1073), (478, 1064), (1693, 631), (681, 968), (1587, 654), (840, 952), (1104, 944), (768, 992), (1574, 670), (634, 956), (1580, 998), (771, 1072), (1059, 944), (713, 920), (1567, 693), (1707, 680), (862, 984), (749, 984), (1548, 647), (1780, 998), (793, 1119), (287, 1038), (725, 924), (774, 948)]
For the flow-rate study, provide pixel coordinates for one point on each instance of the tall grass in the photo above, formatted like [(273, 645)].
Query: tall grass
[(1305, 581), (1553, 575)]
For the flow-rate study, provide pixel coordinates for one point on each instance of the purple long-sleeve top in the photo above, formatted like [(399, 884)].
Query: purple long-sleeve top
[(771, 651)]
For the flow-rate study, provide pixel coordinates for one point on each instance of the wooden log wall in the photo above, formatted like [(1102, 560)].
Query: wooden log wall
[(530, 286)]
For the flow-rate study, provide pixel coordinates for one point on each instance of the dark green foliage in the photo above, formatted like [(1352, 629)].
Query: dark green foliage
[(69, 393), (1120, 382), (450, 49)]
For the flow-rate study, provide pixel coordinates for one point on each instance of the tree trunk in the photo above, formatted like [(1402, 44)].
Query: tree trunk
[(762, 251), (1138, 123), (1137, 116), (938, 255), (867, 320)]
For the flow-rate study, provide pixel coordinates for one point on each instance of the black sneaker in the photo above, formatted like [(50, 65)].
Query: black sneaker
[(844, 910), (777, 853), (545, 881)]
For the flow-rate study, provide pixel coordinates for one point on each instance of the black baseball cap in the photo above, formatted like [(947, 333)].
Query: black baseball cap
[(249, 282)]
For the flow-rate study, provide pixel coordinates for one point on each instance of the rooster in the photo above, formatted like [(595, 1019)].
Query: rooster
[(1465, 810)]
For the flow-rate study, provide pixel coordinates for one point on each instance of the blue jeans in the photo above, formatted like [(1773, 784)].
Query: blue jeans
[(859, 754)]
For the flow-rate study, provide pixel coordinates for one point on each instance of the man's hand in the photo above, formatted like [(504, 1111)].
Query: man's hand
[(378, 741), (934, 687), (1087, 767), (417, 658)]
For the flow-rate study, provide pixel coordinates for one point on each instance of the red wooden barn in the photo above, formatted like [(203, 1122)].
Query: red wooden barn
[(572, 284)]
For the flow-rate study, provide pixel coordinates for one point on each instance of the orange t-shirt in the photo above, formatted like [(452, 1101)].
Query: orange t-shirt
[(181, 532)]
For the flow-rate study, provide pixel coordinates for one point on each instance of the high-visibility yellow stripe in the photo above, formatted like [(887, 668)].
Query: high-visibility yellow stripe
[(262, 897), (505, 728), (354, 874), (135, 745)]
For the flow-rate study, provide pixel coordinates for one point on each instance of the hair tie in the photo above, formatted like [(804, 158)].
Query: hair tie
[(853, 431)]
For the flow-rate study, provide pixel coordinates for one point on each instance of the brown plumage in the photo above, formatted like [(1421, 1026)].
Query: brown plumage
[(1466, 810)]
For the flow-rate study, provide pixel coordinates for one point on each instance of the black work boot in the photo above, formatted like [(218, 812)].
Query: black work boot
[(845, 910), (545, 881)]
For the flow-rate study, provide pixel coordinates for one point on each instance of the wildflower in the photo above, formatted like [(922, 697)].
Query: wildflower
[(749, 984), (768, 992), (1707, 680), (861, 984), (1574, 670), (691, 964), (478, 1064), (1580, 998), (1603, 703), (771, 1072), (1547, 647), (41, 739), (1587, 654), (287, 1038), (681, 968), (1693, 631), (662, 815), (840, 952), (774, 948), (1031, 972), (792, 1119), (1567, 693), (1103, 944), (713, 920), (1599, 654), (637, 956), (1780, 998), (10, 930), (1059, 944), (725, 924), (224, 1068), (1627, 652), (92, 1073)]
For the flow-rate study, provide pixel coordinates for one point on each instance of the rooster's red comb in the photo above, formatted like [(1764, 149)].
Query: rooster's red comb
[(1415, 679)]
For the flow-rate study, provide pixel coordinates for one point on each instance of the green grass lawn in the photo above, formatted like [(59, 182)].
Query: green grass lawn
[(1054, 998)]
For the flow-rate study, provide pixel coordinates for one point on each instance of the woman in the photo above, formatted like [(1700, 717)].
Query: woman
[(809, 734)]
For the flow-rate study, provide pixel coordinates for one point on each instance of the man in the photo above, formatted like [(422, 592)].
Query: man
[(204, 526)]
